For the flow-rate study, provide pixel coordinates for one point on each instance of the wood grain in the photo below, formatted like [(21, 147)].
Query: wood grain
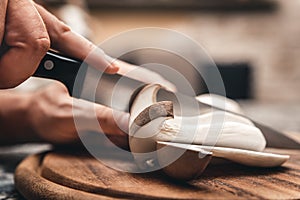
[(33, 186), (61, 175)]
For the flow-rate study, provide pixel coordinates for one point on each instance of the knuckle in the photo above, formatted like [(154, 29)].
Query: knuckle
[(59, 30), (63, 28), (41, 45), (37, 39), (59, 88)]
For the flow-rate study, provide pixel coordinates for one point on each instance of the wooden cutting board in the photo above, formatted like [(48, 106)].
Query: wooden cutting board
[(66, 175), (57, 175)]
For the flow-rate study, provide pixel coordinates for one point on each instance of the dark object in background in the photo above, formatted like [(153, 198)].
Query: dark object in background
[(237, 78), (178, 4)]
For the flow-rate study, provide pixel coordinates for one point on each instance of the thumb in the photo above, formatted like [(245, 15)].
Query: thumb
[(72, 44)]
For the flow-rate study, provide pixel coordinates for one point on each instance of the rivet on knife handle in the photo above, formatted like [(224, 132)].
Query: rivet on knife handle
[(63, 69)]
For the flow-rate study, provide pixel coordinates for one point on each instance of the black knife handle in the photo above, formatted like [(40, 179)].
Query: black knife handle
[(63, 69)]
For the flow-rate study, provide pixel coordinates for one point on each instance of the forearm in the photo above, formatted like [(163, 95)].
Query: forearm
[(14, 125)]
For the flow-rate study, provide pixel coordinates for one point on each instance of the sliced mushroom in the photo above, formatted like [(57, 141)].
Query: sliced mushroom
[(241, 156), (215, 128), (153, 121), (220, 102), (222, 134), (145, 123)]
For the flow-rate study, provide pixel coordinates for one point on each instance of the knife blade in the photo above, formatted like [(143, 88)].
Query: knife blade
[(242, 156), (118, 92)]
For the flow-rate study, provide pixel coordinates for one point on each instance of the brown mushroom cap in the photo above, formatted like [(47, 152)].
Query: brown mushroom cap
[(188, 166), (156, 110)]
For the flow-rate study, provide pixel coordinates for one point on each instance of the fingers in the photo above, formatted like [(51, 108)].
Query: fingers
[(3, 7), (111, 121), (94, 117), (28, 42), (101, 119), (60, 118), (68, 42), (98, 118), (89, 116)]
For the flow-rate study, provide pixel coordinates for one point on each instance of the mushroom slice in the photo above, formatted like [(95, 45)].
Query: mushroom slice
[(225, 134), (220, 102), (242, 156), (146, 117), (145, 98)]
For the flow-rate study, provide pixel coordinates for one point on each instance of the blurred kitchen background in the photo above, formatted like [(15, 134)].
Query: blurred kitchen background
[(255, 44)]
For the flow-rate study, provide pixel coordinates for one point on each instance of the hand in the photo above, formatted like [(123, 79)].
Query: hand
[(26, 30), (52, 112)]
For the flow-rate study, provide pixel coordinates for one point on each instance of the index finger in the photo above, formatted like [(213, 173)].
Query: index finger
[(72, 44), (3, 7)]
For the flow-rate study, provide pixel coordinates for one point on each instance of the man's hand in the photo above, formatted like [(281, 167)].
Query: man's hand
[(27, 31), (52, 113), (49, 115)]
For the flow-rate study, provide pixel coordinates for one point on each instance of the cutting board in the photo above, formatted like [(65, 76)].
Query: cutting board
[(67, 175)]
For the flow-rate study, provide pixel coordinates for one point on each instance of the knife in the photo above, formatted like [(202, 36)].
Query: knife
[(118, 92), (242, 156)]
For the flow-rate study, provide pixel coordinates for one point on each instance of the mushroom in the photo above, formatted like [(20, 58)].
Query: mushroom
[(152, 122), (220, 101)]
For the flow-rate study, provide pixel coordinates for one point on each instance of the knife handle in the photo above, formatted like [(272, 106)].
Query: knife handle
[(69, 71)]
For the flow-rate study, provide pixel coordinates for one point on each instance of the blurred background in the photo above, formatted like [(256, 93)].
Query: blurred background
[(255, 44)]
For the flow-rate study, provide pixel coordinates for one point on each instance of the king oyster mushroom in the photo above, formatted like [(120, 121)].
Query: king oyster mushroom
[(152, 123), (218, 101)]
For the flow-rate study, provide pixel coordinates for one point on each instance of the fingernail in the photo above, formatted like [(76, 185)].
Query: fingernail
[(112, 69)]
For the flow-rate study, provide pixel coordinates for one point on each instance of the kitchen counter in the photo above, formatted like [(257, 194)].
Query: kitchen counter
[(10, 157), (284, 117)]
